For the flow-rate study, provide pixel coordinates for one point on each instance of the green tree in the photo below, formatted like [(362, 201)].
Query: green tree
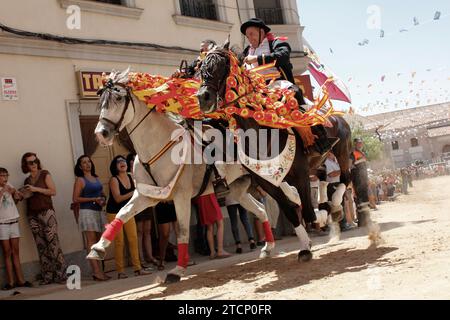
[(373, 147)]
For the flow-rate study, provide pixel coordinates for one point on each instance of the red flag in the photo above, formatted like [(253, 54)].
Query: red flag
[(335, 92)]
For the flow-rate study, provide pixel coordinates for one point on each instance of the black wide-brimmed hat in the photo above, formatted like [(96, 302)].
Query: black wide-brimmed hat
[(254, 22)]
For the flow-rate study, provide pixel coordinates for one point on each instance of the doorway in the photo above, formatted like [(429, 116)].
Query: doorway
[(102, 157)]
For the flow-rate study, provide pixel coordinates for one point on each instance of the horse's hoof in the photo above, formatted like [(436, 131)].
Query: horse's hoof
[(267, 250), (265, 254), (304, 256), (96, 254), (172, 278)]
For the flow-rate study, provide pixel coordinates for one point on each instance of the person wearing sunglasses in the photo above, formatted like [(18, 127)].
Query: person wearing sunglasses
[(121, 189), (42, 219)]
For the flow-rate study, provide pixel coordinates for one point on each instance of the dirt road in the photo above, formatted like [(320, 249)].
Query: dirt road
[(413, 262)]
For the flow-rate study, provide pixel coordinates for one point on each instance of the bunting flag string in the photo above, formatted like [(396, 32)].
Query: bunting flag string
[(415, 24)]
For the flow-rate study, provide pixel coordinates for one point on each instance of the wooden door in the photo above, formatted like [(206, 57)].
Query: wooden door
[(101, 157)]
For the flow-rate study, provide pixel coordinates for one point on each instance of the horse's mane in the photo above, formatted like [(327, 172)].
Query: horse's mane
[(219, 54), (108, 91), (211, 62), (120, 77)]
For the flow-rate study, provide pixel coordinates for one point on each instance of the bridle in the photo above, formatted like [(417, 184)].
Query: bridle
[(220, 86), (128, 98)]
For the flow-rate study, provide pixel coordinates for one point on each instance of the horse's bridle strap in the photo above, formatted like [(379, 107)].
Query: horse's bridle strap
[(163, 150), (122, 116), (148, 113)]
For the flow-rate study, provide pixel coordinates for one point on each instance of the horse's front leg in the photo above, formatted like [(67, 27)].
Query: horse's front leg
[(136, 204), (182, 202)]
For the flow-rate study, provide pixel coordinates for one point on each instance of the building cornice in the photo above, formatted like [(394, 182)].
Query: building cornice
[(35, 47)]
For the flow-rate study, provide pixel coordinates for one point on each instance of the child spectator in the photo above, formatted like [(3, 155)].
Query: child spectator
[(9, 232)]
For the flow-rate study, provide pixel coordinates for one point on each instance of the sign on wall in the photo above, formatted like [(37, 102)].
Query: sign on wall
[(9, 89), (89, 82)]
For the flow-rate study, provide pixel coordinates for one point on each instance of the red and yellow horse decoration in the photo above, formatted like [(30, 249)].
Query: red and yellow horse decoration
[(246, 95)]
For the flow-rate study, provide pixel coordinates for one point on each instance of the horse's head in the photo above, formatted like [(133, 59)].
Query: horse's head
[(115, 113), (214, 71)]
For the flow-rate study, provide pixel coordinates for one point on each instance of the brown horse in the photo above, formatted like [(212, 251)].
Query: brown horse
[(214, 71)]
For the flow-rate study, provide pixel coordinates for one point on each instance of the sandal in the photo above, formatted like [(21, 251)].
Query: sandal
[(26, 284), (121, 275), (223, 255), (8, 287), (141, 272), (161, 267), (153, 261), (145, 266), (95, 278)]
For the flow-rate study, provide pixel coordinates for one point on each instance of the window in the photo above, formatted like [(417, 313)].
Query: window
[(394, 145), (119, 2), (414, 142), (269, 11), (120, 8), (203, 9)]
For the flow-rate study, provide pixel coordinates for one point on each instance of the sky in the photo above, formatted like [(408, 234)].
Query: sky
[(340, 25)]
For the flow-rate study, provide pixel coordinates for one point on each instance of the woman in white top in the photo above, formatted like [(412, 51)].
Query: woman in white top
[(9, 232)]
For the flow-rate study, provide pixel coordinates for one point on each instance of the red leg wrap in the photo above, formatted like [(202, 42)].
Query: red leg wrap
[(268, 232), (183, 255), (112, 229)]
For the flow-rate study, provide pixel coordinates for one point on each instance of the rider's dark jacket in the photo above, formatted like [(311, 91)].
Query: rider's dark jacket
[(281, 52)]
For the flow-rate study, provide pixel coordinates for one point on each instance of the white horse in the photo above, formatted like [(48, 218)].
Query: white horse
[(155, 171)]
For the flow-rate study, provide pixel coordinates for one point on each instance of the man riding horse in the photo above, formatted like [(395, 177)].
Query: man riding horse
[(264, 48)]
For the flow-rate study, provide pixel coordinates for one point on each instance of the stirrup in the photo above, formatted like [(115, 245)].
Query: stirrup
[(221, 189)]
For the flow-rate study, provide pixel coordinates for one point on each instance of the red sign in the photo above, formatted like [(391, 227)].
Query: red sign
[(304, 83)]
